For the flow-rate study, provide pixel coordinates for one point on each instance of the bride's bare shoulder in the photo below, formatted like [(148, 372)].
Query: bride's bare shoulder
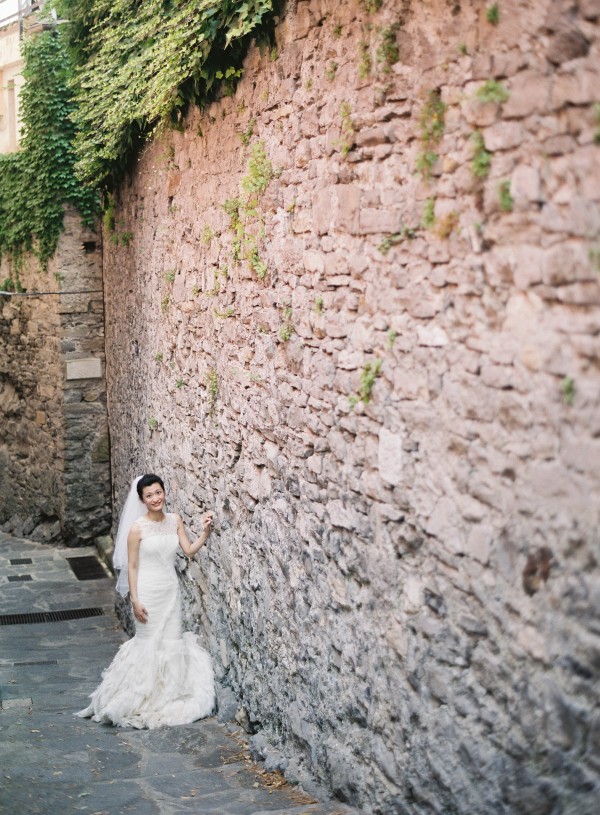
[(135, 532)]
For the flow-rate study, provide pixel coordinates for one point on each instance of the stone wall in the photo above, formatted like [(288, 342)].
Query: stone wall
[(54, 451), (391, 402)]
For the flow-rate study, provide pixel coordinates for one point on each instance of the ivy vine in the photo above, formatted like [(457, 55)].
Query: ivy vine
[(141, 64), (98, 87), (37, 180)]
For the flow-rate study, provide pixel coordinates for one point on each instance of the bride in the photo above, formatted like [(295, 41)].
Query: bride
[(160, 676)]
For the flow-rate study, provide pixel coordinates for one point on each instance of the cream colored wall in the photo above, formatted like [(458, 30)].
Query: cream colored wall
[(11, 65)]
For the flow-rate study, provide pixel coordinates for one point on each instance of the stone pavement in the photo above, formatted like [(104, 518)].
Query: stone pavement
[(53, 763)]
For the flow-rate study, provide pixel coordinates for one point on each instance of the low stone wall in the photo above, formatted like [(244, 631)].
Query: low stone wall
[(55, 474), (391, 401)]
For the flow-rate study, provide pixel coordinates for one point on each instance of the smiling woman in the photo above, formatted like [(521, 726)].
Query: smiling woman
[(162, 676)]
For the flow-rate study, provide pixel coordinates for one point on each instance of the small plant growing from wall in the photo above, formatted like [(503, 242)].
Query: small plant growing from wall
[(597, 121), (426, 162), (392, 336), (369, 373), (109, 216), (244, 213), (348, 130), (109, 222), (506, 199), (428, 219), (259, 174), (407, 232), (246, 135), (228, 312), (482, 159), (252, 255), (212, 388), (331, 71), (371, 6), (492, 14), (207, 235), (11, 284), (233, 208), (159, 356), (319, 305), (432, 125), (493, 91), (152, 423), (567, 387), (286, 331), (388, 53), (365, 62)]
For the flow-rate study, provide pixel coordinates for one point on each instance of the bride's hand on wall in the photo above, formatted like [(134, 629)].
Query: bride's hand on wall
[(207, 521)]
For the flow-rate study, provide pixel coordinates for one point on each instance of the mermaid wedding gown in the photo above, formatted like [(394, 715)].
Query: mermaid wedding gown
[(160, 676)]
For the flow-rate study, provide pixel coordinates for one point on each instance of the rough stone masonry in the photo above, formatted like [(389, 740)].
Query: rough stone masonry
[(360, 318), (54, 445)]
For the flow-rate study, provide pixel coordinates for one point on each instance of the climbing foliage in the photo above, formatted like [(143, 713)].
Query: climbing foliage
[(140, 64), (37, 180), (98, 86)]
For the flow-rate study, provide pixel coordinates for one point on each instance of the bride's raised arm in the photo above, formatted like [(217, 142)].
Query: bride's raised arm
[(190, 549)]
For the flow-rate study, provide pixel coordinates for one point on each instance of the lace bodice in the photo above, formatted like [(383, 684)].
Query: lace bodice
[(158, 544), (149, 529)]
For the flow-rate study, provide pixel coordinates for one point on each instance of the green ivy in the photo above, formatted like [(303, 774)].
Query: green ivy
[(38, 180), (141, 64), (246, 222)]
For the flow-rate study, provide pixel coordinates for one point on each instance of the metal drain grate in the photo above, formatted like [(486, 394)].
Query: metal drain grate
[(50, 616), (86, 568), (19, 578), (36, 662), (20, 561)]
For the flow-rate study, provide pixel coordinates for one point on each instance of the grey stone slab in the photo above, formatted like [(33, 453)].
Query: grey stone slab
[(54, 763), (60, 798)]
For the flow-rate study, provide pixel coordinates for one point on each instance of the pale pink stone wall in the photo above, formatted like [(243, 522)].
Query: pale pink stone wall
[(403, 594)]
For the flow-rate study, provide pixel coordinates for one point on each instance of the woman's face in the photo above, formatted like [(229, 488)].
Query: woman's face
[(153, 497)]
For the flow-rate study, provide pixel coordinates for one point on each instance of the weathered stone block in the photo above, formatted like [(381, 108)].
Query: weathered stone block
[(348, 207), (503, 136), (390, 456), (88, 368), (529, 93), (566, 263)]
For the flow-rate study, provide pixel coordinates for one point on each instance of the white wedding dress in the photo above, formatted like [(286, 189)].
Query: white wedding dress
[(160, 676)]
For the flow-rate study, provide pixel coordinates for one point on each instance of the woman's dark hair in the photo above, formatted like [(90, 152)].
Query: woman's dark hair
[(147, 481)]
